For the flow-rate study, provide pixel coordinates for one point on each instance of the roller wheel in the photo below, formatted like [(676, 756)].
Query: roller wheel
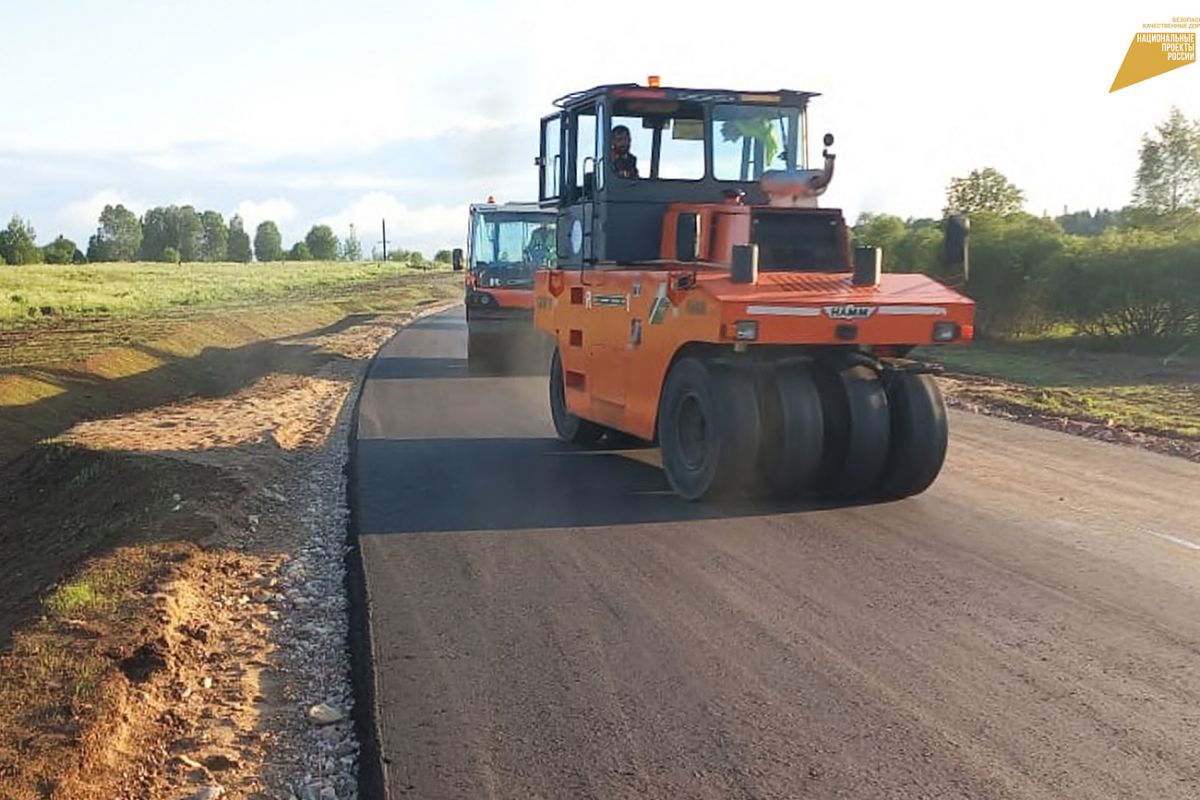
[(919, 435), (793, 431), (708, 429), (857, 428), (568, 426)]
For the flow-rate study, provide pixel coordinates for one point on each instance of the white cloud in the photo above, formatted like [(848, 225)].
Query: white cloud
[(425, 228), (278, 210), (349, 180), (85, 214)]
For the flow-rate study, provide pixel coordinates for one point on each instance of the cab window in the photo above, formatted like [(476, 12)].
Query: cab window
[(551, 157), (584, 152), (666, 139), (748, 140)]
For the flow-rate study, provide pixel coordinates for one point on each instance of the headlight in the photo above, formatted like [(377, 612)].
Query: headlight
[(745, 330), (945, 331)]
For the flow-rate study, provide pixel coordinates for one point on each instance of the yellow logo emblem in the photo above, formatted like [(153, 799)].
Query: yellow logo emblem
[(1157, 50)]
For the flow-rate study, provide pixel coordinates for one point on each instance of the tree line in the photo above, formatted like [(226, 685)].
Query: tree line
[(1118, 274), (181, 234)]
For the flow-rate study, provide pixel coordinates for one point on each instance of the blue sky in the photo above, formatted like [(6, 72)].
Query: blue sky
[(319, 112)]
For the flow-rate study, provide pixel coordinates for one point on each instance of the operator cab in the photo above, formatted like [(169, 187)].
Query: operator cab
[(507, 242), (714, 168)]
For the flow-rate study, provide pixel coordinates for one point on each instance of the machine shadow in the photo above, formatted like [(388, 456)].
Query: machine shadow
[(501, 365), (504, 484), (450, 320)]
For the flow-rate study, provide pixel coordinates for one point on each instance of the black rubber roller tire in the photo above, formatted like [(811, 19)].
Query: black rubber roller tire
[(708, 429), (793, 431), (857, 428), (568, 426), (920, 432)]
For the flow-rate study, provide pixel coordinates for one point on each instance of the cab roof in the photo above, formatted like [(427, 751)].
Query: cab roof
[(782, 97), (511, 207)]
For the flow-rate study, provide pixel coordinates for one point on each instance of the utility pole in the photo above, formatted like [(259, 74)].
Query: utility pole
[(384, 239)]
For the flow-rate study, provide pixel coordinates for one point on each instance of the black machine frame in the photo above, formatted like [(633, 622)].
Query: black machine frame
[(607, 221)]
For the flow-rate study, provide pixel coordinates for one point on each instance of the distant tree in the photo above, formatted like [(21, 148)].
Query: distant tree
[(17, 243), (159, 231), (1168, 176), (239, 241), (1085, 223), (214, 237), (879, 230), (983, 190), (300, 252), (268, 245), (62, 251), (918, 250), (191, 234), (99, 250), (119, 236), (180, 228), (351, 247), (443, 256), (322, 243), (171, 255)]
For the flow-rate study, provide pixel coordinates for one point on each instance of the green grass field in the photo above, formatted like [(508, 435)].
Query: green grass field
[(30, 295), (1155, 393)]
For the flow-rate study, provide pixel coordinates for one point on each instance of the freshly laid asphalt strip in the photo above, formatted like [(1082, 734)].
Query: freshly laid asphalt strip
[(552, 622)]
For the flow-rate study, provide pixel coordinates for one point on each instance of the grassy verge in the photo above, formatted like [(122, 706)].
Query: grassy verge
[(36, 294), (1149, 393), (71, 368)]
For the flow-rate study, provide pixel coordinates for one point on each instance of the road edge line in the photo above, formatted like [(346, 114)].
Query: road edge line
[(372, 776)]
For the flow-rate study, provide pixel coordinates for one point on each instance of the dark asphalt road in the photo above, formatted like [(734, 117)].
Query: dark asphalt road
[(554, 623)]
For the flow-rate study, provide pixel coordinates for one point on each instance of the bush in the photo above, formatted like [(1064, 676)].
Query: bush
[(911, 246), (300, 252), (1011, 259), (62, 251), (1135, 284), (171, 255)]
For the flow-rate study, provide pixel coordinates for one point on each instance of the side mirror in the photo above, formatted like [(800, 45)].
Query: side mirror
[(956, 251), (687, 236), (457, 259), (828, 140)]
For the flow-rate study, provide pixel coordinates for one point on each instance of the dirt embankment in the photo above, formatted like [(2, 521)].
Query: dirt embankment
[(997, 398), (173, 618)]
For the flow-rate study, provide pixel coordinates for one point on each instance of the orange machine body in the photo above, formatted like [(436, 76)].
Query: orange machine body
[(619, 328)]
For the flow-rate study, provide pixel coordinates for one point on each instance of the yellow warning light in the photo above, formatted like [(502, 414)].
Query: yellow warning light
[(652, 81)]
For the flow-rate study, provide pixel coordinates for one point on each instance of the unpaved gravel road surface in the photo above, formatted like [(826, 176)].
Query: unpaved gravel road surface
[(548, 622)]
